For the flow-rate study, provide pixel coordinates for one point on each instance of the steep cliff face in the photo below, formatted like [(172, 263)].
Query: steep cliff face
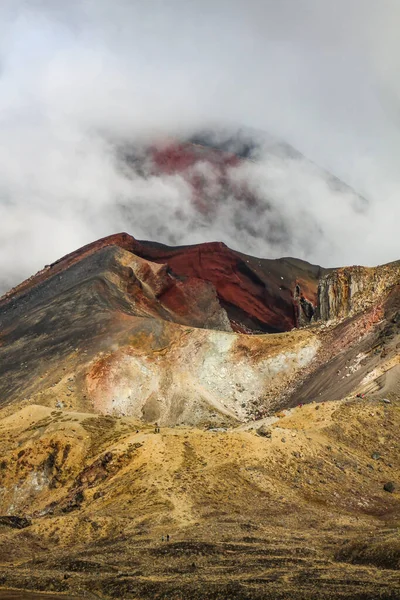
[(346, 291)]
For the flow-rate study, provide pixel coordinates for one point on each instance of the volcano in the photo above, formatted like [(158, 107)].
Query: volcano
[(246, 408)]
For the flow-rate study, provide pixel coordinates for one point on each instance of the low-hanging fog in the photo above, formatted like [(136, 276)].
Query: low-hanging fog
[(80, 80)]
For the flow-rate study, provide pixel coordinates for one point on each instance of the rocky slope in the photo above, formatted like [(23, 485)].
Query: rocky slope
[(276, 385), (257, 294), (133, 328)]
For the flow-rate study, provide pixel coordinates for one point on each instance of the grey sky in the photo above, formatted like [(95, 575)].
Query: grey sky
[(322, 75)]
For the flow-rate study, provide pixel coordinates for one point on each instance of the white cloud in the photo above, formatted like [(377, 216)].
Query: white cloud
[(76, 78)]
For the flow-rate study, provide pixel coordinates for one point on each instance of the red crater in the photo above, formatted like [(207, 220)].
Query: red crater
[(259, 295)]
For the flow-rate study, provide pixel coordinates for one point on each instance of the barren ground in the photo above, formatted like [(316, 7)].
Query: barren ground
[(302, 514)]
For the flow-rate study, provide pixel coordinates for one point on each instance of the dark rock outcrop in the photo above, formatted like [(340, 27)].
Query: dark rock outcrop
[(15, 522)]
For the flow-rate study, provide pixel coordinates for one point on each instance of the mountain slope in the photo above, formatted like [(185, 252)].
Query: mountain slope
[(301, 514), (106, 318), (146, 330), (276, 469)]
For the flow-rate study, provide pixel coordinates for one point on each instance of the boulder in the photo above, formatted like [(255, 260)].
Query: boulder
[(264, 431), (389, 487)]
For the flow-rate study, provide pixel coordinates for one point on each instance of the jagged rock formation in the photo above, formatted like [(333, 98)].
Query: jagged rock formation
[(257, 294), (347, 291)]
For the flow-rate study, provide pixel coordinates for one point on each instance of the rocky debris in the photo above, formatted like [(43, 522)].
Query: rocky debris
[(95, 473), (98, 494), (264, 431), (15, 522), (73, 502), (389, 487)]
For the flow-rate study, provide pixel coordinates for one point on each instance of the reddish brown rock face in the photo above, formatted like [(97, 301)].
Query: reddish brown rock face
[(194, 162), (176, 158), (257, 294)]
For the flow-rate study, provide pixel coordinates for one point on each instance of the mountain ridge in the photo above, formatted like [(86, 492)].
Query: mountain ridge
[(136, 402)]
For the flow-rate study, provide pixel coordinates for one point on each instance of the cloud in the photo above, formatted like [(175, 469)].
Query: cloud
[(79, 81)]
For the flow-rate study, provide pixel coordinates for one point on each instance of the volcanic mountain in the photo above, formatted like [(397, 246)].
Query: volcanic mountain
[(248, 408), (256, 191)]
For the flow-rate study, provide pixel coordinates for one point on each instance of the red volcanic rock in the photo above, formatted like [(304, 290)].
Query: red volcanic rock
[(177, 158), (183, 158), (259, 295)]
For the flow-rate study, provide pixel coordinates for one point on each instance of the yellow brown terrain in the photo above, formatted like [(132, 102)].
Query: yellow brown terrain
[(162, 438)]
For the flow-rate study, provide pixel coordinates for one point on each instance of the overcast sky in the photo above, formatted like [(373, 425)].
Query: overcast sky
[(76, 77)]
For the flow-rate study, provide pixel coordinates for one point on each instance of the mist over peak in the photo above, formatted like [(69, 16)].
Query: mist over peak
[(83, 84)]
